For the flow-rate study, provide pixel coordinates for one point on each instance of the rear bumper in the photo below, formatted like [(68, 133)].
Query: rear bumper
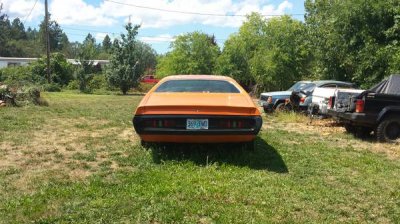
[(181, 134), (197, 138), (359, 119)]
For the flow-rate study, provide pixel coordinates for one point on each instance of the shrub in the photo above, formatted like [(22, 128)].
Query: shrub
[(19, 76), (61, 70), (72, 85), (83, 80), (52, 87), (144, 87), (98, 82)]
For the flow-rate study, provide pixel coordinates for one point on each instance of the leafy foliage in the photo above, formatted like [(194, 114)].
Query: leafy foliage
[(354, 40), (269, 54), (130, 58), (192, 53), (61, 70)]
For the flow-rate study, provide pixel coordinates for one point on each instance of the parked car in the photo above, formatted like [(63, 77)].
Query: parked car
[(271, 101), (149, 79), (377, 109), (303, 98), (197, 109), (320, 98)]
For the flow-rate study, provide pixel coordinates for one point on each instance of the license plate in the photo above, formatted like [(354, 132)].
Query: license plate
[(196, 124)]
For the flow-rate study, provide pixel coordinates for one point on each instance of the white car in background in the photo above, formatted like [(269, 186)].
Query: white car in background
[(322, 97)]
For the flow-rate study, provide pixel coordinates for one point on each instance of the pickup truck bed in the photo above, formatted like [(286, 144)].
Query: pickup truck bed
[(377, 109)]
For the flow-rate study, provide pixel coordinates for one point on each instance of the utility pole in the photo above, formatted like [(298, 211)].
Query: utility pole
[(47, 40)]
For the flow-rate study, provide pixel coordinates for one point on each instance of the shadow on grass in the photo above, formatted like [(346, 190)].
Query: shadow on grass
[(264, 156)]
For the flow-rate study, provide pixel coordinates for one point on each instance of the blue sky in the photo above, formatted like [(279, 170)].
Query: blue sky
[(101, 17)]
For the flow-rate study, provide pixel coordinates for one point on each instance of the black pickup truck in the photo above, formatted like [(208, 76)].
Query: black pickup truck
[(377, 109)]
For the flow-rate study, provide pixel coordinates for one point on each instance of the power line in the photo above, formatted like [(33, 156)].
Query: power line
[(192, 13), (166, 39), (114, 34), (26, 18)]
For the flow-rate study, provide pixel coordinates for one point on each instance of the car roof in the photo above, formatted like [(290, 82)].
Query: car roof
[(198, 77), (323, 82)]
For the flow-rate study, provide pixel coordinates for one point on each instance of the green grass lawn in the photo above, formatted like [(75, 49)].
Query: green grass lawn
[(78, 160)]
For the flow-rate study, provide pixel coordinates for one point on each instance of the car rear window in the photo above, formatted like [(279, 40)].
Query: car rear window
[(197, 86)]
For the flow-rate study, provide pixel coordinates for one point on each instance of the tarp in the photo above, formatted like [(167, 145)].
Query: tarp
[(390, 85)]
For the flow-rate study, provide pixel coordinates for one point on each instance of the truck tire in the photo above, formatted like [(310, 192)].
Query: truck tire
[(388, 129), (350, 128), (362, 132), (281, 107)]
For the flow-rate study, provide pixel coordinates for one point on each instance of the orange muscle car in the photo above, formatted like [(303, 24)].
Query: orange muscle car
[(197, 109)]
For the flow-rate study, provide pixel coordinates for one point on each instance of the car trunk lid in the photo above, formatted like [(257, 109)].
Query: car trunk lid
[(198, 103)]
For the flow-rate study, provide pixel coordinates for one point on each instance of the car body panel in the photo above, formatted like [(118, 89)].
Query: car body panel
[(307, 93), (204, 105), (278, 96), (320, 97)]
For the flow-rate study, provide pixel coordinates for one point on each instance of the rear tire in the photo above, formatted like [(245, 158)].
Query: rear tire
[(388, 129), (362, 132), (350, 128), (281, 107)]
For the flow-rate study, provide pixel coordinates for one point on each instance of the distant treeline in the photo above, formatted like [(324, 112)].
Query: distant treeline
[(347, 40), (17, 41)]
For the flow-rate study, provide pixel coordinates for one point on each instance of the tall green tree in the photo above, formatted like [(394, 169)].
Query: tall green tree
[(130, 58), (86, 54), (192, 53), (353, 39), (55, 35), (18, 29), (266, 54), (106, 44)]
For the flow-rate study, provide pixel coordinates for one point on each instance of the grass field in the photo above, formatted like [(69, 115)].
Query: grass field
[(78, 160)]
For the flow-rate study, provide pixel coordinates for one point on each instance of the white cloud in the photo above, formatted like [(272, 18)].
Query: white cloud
[(78, 12), (100, 37), (21, 9), (158, 39)]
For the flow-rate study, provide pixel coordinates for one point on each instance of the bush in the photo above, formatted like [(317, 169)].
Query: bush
[(73, 85), (19, 76), (144, 87), (52, 87), (33, 96), (98, 82), (61, 70)]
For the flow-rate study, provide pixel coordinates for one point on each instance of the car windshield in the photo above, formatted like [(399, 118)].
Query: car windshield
[(299, 86), (309, 88), (197, 86)]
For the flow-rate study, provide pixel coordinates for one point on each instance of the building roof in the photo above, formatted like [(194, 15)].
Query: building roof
[(72, 61)]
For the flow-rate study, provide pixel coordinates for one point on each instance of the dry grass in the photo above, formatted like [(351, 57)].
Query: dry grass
[(60, 149), (329, 131)]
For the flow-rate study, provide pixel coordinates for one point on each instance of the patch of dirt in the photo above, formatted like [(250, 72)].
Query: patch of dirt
[(52, 148), (334, 133)]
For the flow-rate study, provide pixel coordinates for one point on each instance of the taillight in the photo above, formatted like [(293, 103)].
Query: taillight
[(269, 100), (330, 102), (360, 106), (158, 123), (169, 123), (228, 124), (302, 100)]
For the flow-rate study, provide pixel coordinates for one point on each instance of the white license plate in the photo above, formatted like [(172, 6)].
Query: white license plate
[(196, 124)]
